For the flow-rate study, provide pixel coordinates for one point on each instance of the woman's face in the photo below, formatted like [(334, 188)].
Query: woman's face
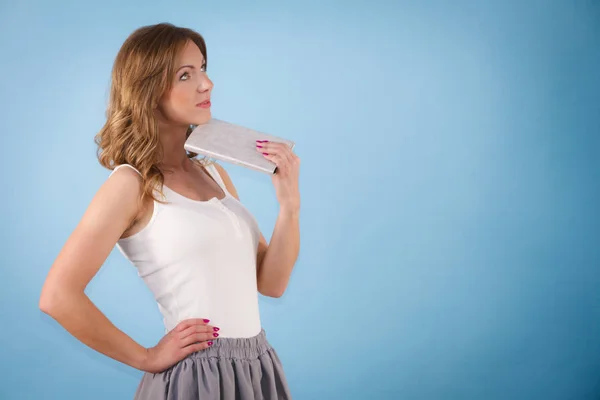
[(188, 101)]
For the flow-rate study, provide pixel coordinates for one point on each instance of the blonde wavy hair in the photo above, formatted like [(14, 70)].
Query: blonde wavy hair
[(142, 72)]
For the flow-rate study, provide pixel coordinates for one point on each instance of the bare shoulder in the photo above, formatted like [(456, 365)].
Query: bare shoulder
[(124, 177), (124, 187), (114, 207), (227, 179)]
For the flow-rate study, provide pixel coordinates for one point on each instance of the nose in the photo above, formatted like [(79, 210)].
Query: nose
[(205, 84)]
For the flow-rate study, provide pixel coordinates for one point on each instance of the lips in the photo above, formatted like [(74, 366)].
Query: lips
[(204, 104)]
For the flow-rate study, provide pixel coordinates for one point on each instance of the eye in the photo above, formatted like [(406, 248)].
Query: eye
[(203, 68), (184, 76)]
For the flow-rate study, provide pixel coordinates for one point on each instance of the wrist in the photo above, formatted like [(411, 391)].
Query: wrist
[(141, 361), (289, 211)]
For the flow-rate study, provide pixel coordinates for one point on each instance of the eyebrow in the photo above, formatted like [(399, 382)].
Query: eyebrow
[(189, 66)]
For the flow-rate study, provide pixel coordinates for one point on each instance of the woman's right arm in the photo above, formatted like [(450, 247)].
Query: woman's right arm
[(110, 213)]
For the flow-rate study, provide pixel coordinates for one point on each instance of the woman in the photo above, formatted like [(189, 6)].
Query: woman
[(180, 222)]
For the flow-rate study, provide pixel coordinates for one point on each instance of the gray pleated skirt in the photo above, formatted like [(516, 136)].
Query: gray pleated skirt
[(231, 369)]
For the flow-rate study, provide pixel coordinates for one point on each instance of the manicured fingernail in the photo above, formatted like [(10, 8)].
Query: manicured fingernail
[(216, 329), (266, 154), (210, 343), (260, 147), (262, 141), (215, 334), (206, 320)]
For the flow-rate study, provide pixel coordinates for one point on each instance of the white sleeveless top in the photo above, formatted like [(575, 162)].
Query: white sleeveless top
[(198, 258)]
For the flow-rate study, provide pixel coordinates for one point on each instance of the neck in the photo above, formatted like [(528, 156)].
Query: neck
[(172, 140)]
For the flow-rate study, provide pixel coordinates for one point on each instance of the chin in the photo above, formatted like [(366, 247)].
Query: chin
[(203, 119)]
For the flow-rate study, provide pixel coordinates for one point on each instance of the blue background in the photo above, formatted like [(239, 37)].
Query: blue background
[(450, 190)]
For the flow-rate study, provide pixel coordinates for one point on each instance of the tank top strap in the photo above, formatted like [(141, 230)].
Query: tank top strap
[(212, 170), (124, 165)]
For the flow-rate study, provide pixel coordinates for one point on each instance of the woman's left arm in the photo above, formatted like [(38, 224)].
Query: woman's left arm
[(275, 260)]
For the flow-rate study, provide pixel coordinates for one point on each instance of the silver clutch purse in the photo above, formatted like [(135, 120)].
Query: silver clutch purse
[(232, 143)]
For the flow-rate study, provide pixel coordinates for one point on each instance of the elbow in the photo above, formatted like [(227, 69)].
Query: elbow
[(47, 301), (51, 300), (275, 293), (272, 288), (45, 304)]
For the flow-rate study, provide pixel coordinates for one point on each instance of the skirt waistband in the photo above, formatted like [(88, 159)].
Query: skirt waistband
[(238, 348)]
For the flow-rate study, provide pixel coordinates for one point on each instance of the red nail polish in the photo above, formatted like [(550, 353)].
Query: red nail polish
[(210, 343), (216, 329), (259, 146), (266, 154), (215, 334), (206, 320)]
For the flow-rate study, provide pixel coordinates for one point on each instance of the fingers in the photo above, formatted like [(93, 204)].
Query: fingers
[(197, 337), (189, 322), (278, 153), (275, 148), (196, 347), (198, 329), (195, 330), (277, 159)]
